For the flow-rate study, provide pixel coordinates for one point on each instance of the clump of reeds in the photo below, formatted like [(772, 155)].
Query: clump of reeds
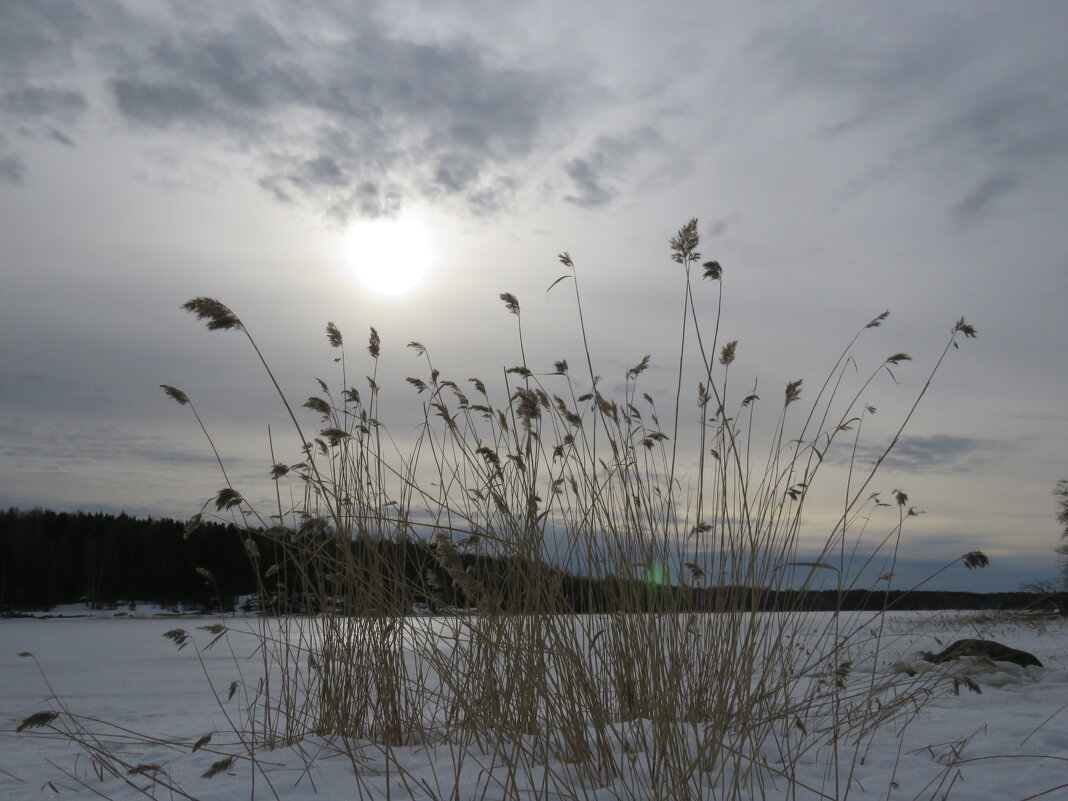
[(692, 673)]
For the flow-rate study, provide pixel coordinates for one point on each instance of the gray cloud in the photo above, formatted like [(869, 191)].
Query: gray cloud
[(65, 447), (924, 80), (988, 191), (912, 573), (33, 32), (161, 105), (101, 467), (12, 170), (356, 124), (37, 40), (37, 101), (43, 112), (718, 228), (229, 78), (940, 452), (1014, 132), (876, 72), (610, 158), (587, 180)]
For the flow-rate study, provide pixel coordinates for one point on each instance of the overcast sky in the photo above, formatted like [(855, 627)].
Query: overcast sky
[(842, 159)]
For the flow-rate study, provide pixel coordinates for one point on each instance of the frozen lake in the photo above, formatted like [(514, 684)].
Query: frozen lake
[(1009, 741)]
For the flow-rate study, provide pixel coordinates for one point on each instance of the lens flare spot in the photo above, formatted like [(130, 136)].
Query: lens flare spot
[(656, 574)]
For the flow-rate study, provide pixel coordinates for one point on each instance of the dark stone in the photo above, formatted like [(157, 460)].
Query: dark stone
[(988, 648)]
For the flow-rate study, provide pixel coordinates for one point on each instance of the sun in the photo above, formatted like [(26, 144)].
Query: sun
[(389, 257)]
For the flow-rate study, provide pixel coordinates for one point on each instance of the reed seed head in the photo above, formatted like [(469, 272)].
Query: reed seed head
[(639, 368), (333, 336), (878, 320), (216, 768), (38, 720), (510, 302), (318, 405), (964, 328), (726, 355), (684, 243), (175, 394), (227, 498), (975, 559), (218, 315), (793, 391)]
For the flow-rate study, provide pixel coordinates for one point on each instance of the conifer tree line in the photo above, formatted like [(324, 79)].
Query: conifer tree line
[(49, 558)]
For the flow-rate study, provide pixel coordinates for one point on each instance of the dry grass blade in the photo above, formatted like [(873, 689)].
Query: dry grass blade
[(557, 281), (217, 630), (815, 565)]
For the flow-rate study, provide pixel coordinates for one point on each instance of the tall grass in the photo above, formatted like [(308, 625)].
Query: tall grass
[(692, 673)]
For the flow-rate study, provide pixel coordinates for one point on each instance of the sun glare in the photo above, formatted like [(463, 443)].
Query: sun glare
[(389, 257)]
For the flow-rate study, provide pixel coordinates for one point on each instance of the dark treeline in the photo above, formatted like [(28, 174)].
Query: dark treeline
[(49, 558)]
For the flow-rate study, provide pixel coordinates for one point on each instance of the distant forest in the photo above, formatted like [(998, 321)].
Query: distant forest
[(49, 558)]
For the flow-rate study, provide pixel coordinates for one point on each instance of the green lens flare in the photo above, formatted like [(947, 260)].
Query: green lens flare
[(655, 574)]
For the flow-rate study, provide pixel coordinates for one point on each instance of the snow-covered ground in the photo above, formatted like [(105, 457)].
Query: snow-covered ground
[(1008, 742)]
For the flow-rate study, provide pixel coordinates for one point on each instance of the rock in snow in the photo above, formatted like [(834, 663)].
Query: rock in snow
[(988, 648)]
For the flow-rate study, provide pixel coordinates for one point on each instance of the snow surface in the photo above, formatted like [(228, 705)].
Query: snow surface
[(1007, 742)]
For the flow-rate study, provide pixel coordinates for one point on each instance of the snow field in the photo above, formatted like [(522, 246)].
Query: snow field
[(865, 731)]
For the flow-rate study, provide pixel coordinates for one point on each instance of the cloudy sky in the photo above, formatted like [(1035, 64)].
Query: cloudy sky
[(842, 159)]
